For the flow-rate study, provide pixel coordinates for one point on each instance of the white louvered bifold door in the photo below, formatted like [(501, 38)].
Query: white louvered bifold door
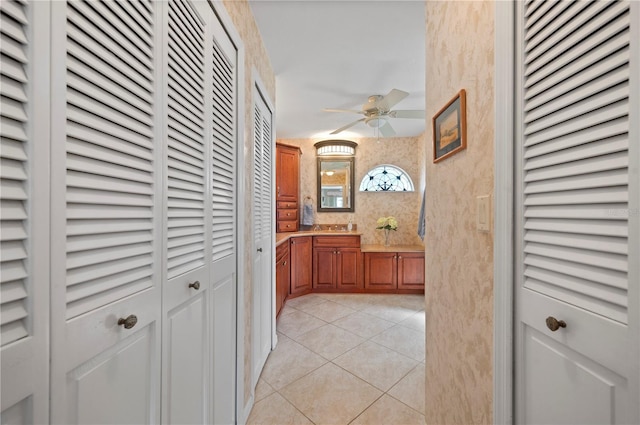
[(106, 212), (223, 124), (186, 330), (573, 213), (24, 212), (263, 261)]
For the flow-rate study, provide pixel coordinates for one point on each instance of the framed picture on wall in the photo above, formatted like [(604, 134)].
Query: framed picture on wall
[(450, 128)]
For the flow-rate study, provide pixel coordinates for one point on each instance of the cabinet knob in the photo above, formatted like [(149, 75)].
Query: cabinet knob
[(129, 322), (338, 252), (554, 324), (195, 285), (288, 214), (399, 257), (284, 263)]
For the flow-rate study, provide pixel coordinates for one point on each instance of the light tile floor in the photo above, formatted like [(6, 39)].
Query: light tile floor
[(345, 359)]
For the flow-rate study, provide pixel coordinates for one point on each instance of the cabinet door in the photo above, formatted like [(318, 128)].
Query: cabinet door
[(410, 270), (324, 268), (301, 270), (287, 165), (348, 268), (24, 212), (186, 330), (380, 270), (106, 215)]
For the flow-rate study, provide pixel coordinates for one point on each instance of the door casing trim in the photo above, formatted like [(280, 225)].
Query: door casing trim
[(503, 300)]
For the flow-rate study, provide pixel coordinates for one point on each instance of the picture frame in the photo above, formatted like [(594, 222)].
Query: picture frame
[(450, 127)]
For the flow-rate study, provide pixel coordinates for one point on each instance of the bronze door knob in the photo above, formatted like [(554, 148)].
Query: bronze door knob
[(129, 322), (554, 324), (195, 285)]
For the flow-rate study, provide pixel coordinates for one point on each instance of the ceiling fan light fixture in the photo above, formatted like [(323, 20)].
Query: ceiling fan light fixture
[(376, 122)]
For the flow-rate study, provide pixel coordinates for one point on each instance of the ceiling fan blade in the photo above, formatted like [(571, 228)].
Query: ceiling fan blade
[(393, 97), (342, 110), (341, 129), (407, 113), (387, 131)]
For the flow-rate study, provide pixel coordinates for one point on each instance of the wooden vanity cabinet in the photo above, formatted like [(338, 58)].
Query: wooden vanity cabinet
[(394, 270), (287, 187), (380, 270), (301, 253), (337, 263), (283, 275), (410, 270)]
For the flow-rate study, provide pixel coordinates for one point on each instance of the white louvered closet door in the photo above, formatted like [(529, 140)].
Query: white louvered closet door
[(223, 180), (575, 208), (24, 212), (106, 212), (186, 330), (263, 287)]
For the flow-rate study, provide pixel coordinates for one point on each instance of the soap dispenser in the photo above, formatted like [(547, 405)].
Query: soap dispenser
[(350, 225)]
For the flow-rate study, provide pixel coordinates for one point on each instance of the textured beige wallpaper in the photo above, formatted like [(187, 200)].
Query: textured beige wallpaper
[(459, 259), (407, 153), (255, 58)]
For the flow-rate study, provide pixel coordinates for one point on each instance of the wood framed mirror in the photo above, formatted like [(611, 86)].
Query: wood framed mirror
[(335, 184)]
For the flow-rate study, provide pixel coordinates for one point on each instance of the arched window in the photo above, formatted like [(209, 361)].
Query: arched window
[(386, 178)]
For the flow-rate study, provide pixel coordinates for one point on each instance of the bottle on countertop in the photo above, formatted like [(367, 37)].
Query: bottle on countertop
[(350, 225)]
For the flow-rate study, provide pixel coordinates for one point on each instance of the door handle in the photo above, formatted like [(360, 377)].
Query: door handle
[(259, 249), (554, 324), (195, 285)]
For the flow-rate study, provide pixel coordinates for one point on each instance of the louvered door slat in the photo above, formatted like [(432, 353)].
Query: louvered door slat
[(578, 90), (587, 121), (186, 149), (14, 178), (573, 37), (81, 59), (575, 163), (575, 211), (590, 149), (102, 19), (615, 95), (564, 238), (257, 174), (543, 26), (582, 71), (120, 57), (224, 159), (575, 153), (110, 161)]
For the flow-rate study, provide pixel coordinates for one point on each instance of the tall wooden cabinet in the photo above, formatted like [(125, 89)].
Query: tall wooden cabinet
[(287, 187)]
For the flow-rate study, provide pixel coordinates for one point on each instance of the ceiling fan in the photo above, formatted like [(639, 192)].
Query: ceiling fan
[(377, 112)]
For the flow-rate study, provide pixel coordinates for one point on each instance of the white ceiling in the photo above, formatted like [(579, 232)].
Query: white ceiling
[(334, 54)]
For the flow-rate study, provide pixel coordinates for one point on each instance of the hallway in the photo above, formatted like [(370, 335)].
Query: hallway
[(345, 359)]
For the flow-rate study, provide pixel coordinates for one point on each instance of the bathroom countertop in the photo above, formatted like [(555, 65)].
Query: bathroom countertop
[(282, 237), (392, 248)]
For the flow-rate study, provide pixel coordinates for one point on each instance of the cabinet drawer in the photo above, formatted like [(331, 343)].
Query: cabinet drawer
[(351, 241), (287, 205), (287, 226), (287, 215)]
